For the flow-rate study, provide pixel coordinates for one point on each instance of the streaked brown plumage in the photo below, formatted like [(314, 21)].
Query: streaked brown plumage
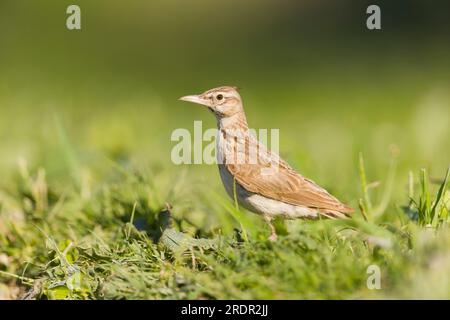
[(268, 186)]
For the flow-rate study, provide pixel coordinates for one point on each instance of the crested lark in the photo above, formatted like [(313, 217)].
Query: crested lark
[(268, 186)]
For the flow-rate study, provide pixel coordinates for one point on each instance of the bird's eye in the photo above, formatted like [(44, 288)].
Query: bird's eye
[(219, 97)]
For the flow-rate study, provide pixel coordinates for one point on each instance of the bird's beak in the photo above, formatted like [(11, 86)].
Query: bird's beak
[(195, 99)]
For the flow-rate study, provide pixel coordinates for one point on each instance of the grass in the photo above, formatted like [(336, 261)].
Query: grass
[(111, 243), (114, 221), (85, 215)]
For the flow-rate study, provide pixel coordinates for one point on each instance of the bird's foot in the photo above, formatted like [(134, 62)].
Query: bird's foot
[(273, 237)]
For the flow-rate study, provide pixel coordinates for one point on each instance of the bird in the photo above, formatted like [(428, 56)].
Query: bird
[(265, 184)]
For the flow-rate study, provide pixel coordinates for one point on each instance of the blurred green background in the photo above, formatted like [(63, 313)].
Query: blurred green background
[(309, 68), (86, 104)]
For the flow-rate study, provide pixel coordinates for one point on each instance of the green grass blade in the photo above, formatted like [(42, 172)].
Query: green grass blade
[(439, 199)]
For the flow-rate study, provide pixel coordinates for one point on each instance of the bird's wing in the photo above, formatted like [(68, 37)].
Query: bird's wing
[(273, 178)]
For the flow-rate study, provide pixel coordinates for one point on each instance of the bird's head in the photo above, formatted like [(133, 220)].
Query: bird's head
[(223, 101)]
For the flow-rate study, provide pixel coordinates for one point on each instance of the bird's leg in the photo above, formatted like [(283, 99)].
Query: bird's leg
[(273, 235)]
